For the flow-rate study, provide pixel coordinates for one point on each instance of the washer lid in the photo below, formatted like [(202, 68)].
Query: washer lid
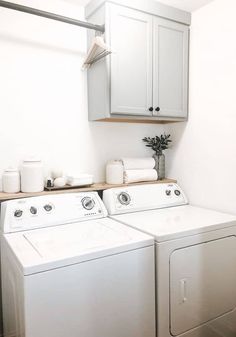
[(176, 222), (72, 240), (43, 249)]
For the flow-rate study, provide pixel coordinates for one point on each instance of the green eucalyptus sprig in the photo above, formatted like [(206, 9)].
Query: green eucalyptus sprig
[(158, 144)]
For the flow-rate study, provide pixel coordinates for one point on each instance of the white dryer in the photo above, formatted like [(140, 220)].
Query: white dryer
[(195, 258), (69, 271)]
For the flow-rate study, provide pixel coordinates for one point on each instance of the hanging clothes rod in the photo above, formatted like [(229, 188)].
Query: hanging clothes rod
[(52, 16)]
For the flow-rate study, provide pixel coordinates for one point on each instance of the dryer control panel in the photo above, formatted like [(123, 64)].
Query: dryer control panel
[(46, 211), (143, 197)]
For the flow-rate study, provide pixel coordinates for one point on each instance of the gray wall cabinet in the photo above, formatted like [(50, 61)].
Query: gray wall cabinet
[(145, 79)]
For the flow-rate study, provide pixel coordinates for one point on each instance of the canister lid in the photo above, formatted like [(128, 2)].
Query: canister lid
[(11, 169), (115, 162), (32, 160)]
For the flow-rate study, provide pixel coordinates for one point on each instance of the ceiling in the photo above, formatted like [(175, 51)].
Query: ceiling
[(187, 5)]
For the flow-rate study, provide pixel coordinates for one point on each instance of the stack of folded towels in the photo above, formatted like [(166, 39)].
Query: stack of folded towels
[(139, 169)]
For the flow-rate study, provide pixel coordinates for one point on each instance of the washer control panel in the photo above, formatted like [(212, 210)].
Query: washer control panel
[(46, 211), (143, 197)]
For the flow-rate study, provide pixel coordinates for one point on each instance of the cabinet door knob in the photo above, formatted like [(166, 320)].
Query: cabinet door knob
[(151, 109), (157, 109)]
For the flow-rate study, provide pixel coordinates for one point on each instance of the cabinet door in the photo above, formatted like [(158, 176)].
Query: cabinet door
[(170, 63), (131, 61)]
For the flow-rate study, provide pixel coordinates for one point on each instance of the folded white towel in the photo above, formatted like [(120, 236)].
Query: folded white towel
[(134, 176), (138, 163)]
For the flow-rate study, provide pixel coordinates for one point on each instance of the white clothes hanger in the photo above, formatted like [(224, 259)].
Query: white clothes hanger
[(98, 50)]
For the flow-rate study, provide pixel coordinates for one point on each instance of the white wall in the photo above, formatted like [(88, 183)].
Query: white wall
[(43, 96), (204, 156)]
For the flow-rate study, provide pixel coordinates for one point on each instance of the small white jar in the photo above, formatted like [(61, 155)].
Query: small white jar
[(114, 172), (11, 181), (32, 179)]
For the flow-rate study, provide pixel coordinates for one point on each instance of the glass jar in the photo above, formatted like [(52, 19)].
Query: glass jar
[(32, 179), (11, 180)]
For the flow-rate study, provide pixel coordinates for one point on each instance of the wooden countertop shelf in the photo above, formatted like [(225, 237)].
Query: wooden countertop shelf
[(94, 187)]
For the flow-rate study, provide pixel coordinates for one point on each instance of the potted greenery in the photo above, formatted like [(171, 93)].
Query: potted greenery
[(158, 145)]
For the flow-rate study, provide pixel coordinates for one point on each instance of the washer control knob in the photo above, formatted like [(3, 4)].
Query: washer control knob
[(33, 210), (47, 207), (88, 203), (18, 213), (177, 192), (168, 193), (124, 198)]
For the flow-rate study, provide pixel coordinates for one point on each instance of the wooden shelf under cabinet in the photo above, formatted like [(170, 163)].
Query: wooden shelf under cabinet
[(94, 187)]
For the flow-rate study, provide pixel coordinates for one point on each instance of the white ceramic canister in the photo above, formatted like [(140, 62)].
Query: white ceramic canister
[(32, 179), (114, 172), (11, 180)]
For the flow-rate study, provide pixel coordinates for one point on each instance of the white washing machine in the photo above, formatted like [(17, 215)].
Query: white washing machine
[(70, 271), (195, 258)]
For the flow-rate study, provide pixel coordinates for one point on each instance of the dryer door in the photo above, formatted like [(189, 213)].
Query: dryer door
[(202, 283)]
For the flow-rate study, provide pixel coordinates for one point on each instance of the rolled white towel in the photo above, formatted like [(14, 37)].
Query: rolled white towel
[(134, 176), (138, 163)]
